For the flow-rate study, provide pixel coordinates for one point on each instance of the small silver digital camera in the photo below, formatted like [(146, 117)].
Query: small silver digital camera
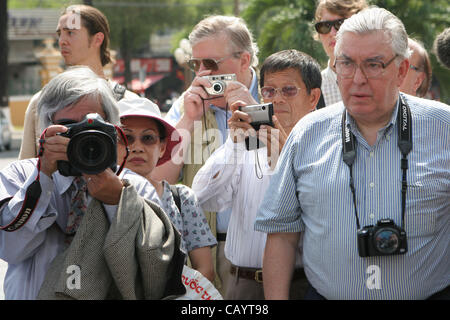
[(219, 83), (260, 114)]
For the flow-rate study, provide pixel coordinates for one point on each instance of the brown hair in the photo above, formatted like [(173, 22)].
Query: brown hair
[(94, 21), (343, 8)]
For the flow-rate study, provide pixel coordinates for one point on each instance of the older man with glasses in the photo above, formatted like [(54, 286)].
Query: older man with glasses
[(220, 45), (366, 181)]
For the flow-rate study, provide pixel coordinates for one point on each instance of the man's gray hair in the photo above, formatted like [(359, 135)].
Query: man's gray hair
[(376, 19), (70, 87), (235, 28)]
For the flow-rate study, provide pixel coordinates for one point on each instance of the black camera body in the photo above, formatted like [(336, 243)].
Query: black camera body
[(383, 239), (92, 147)]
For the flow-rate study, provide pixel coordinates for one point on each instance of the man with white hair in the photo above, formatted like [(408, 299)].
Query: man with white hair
[(43, 204), (367, 180), (220, 45)]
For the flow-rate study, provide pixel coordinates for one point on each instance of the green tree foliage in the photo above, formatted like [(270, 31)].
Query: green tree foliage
[(284, 24)]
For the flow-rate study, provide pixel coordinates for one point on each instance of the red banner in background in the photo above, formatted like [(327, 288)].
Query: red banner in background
[(150, 65)]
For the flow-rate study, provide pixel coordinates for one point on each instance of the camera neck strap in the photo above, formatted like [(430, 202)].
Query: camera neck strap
[(34, 190), (404, 124)]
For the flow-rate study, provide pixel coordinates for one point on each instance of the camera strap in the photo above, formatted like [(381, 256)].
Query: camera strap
[(34, 190), (32, 195), (404, 124)]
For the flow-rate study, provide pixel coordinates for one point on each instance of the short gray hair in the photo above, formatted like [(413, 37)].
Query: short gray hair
[(71, 86), (234, 27), (376, 19)]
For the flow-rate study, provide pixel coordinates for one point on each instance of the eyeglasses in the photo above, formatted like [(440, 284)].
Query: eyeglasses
[(324, 27), (209, 63), (146, 140), (372, 69), (286, 92)]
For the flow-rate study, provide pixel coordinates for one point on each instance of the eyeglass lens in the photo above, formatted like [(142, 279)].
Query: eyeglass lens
[(324, 27), (209, 64), (288, 91)]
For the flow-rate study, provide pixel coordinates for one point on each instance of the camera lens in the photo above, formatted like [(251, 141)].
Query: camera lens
[(91, 151), (386, 240), (264, 108), (217, 87)]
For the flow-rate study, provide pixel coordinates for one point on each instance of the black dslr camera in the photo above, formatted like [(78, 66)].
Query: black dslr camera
[(383, 239), (92, 147)]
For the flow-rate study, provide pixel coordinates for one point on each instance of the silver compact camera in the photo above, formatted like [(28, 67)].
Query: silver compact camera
[(260, 114), (219, 83)]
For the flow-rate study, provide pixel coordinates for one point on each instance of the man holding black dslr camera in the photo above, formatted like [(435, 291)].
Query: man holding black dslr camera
[(65, 205), (239, 172), (366, 181)]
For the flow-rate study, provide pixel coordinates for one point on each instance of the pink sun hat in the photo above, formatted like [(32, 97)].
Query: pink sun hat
[(143, 107)]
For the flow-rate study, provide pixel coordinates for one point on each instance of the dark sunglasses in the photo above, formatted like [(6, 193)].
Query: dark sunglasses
[(209, 63), (287, 92), (324, 27), (146, 140)]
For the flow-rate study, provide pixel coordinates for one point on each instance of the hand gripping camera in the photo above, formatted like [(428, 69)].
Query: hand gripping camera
[(92, 147), (219, 83), (383, 239), (260, 114)]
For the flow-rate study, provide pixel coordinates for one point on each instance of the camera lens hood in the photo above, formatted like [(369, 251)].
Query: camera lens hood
[(92, 151)]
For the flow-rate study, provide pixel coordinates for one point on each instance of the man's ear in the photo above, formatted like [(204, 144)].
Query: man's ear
[(246, 59), (97, 39), (314, 97), (402, 71)]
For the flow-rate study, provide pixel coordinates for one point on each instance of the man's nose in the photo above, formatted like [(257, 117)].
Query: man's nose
[(359, 77), (62, 40), (278, 96)]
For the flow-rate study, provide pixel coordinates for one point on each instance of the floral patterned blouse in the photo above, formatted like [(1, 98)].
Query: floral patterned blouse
[(191, 222)]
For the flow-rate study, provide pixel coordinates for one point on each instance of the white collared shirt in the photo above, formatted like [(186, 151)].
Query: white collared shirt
[(229, 178), (30, 250)]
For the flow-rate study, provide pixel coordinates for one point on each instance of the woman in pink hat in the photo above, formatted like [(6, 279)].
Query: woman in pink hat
[(150, 143)]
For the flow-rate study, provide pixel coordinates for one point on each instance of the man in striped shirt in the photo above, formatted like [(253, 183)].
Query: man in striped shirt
[(310, 190)]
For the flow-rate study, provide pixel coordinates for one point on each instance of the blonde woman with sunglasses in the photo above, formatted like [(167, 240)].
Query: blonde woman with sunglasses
[(329, 16)]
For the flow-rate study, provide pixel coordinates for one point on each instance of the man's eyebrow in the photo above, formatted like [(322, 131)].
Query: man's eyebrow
[(343, 56), (375, 58), (66, 29)]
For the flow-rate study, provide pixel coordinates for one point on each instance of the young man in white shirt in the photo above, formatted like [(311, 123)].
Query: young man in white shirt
[(237, 177), (83, 38)]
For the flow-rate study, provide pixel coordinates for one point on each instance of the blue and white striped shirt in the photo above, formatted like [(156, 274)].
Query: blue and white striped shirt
[(310, 192)]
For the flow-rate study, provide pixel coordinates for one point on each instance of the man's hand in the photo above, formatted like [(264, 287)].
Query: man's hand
[(274, 138), (105, 186), (55, 149), (193, 104), (238, 94), (239, 124)]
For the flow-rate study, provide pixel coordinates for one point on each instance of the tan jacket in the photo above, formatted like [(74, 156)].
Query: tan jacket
[(138, 256)]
